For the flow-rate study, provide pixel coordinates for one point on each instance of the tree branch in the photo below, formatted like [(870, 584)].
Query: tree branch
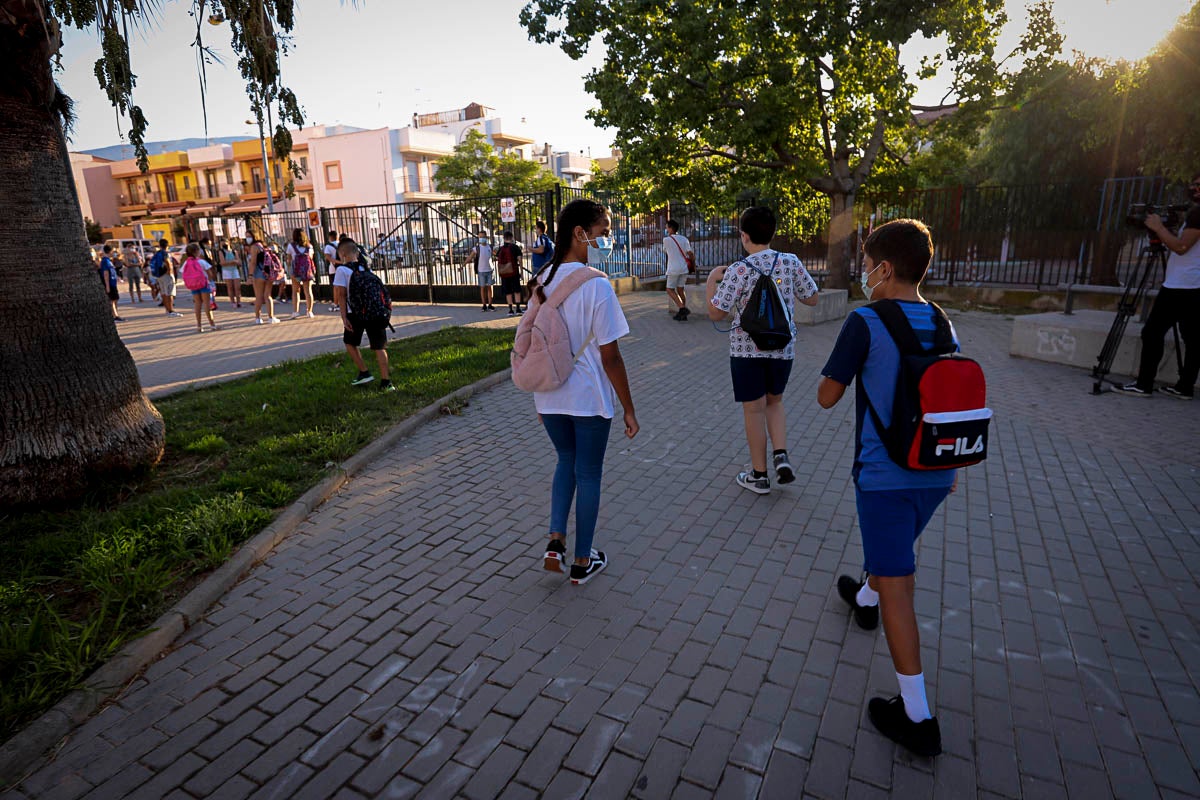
[(872, 151), (708, 152)]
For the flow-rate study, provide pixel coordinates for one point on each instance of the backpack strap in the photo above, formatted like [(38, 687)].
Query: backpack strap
[(900, 329), (572, 282)]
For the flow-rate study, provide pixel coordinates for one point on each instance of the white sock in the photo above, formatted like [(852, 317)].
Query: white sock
[(867, 596), (912, 689)]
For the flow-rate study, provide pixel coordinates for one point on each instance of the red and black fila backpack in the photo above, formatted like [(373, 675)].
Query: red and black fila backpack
[(939, 415)]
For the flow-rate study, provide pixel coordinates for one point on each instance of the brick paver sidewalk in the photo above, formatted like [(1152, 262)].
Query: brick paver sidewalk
[(170, 355), (407, 643)]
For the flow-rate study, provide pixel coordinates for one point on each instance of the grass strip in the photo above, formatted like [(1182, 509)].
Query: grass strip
[(77, 583)]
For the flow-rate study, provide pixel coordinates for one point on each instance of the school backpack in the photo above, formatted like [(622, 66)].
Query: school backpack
[(766, 319), (541, 356), (548, 248), (158, 263), (194, 276), (368, 298), (273, 266), (939, 412), (302, 263), (506, 260)]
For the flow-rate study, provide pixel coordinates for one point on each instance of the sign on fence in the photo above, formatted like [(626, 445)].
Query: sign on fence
[(373, 218), (272, 225), (508, 209), (314, 218), (217, 228)]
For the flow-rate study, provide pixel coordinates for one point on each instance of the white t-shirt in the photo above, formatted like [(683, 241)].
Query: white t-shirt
[(342, 276), (330, 256), (592, 308), (676, 263), (483, 257), (293, 250), (1183, 271)]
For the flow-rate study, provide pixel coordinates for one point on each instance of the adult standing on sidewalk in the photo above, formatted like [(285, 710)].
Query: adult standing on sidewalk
[(578, 415), (678, 250), (133, 271), (481, 257)]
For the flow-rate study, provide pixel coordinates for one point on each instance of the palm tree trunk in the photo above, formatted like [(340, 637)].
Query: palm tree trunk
[(71, 405)]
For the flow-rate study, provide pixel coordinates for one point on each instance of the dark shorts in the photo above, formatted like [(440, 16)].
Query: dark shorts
[(113, 294), (755, 377), (890, 521), (511, 285), (376, 335)]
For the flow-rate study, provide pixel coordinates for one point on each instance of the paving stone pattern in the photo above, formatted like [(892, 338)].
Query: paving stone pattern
[(406, 643)]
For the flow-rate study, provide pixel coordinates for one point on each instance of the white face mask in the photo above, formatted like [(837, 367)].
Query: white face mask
[(249, 240), (869, 290)]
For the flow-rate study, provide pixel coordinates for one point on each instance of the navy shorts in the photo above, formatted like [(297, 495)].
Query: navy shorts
[(376, 334), (755, 377), (890, 521)]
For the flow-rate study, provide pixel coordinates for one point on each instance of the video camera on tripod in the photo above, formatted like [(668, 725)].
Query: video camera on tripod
[(1172, 217)]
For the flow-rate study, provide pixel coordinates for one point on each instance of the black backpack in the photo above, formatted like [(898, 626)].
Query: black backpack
[(939, 412), (765, 319), (368, 298)]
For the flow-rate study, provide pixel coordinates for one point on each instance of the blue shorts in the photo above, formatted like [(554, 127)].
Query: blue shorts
[(755, 377), (890, 521)]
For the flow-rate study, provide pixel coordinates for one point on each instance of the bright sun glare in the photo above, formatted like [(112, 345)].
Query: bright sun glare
[(1114, 29)]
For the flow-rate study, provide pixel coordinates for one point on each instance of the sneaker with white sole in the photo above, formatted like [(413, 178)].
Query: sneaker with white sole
[(274, 320), (556, 554), (746, 480), (1171, 391), (311, 315), (362, 379), (258, 320), (581, 575), (1133, 390), (783, 469)]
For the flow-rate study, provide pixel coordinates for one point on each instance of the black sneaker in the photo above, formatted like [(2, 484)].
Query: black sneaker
[(889, 717), (556, 554), (783, 469), (1171, 391), (867, 617), (363, 378), (1133, 390), (581, 575), (387, 386)]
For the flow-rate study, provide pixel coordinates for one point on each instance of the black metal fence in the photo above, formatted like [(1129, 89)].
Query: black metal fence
[(1021, 236)]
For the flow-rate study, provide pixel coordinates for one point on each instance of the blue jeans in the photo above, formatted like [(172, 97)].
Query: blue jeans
[(580, 443)]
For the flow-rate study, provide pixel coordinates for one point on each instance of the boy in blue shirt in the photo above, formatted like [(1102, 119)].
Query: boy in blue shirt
[(108, 276), (894, 503)]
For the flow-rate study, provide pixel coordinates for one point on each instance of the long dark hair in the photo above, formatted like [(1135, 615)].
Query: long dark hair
[(580, 213), (299, 238)]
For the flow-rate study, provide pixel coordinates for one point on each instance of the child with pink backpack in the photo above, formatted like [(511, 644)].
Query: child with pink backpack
[(566, 353), (195, 278)]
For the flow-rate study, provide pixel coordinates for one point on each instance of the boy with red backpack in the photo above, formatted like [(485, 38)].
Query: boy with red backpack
[(897, 349), (508, 265)]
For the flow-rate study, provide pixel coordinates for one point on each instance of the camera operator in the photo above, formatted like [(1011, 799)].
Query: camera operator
[(1178, 302)]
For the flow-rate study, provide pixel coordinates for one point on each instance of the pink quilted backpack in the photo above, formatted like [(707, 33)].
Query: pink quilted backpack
[(541, 356)]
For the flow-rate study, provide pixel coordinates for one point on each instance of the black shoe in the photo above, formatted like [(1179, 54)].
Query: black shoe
[(1133, 390), (867, 617), (888, 716), (683, 313), (556, 554), (678, 316), (1171, 391), (580, 575), (363, 378), (783, 469), (387, 386)]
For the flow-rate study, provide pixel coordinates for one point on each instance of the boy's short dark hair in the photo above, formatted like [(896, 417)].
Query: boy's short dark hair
[(541, 225), (758, 222), (108, 248), (905, 244), (673, 225), (164, 244), (330, 234), (507, 235)]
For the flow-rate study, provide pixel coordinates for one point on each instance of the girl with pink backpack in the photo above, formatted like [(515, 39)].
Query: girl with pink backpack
[(195, 278), (575, 405)]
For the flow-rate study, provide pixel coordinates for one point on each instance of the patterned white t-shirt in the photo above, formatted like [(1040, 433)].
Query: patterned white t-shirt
[(733, 293)]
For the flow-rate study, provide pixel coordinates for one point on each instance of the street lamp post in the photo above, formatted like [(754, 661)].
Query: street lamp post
[(266, 168)]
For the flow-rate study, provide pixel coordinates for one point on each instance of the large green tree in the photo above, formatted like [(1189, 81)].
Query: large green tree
[(71, 405), (713, 97), (477, 170)]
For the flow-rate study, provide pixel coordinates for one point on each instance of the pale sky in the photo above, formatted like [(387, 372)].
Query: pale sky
[(375, 65)]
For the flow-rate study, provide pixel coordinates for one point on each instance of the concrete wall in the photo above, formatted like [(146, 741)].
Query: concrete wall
[(365, 163), (98, 190)]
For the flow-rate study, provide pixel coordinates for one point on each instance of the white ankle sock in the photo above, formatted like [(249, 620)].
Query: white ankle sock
[(867, 596), (912, 689)]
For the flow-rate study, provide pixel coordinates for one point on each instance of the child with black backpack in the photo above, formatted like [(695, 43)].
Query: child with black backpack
[(366, 307), (919, 410), (760, 292)]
